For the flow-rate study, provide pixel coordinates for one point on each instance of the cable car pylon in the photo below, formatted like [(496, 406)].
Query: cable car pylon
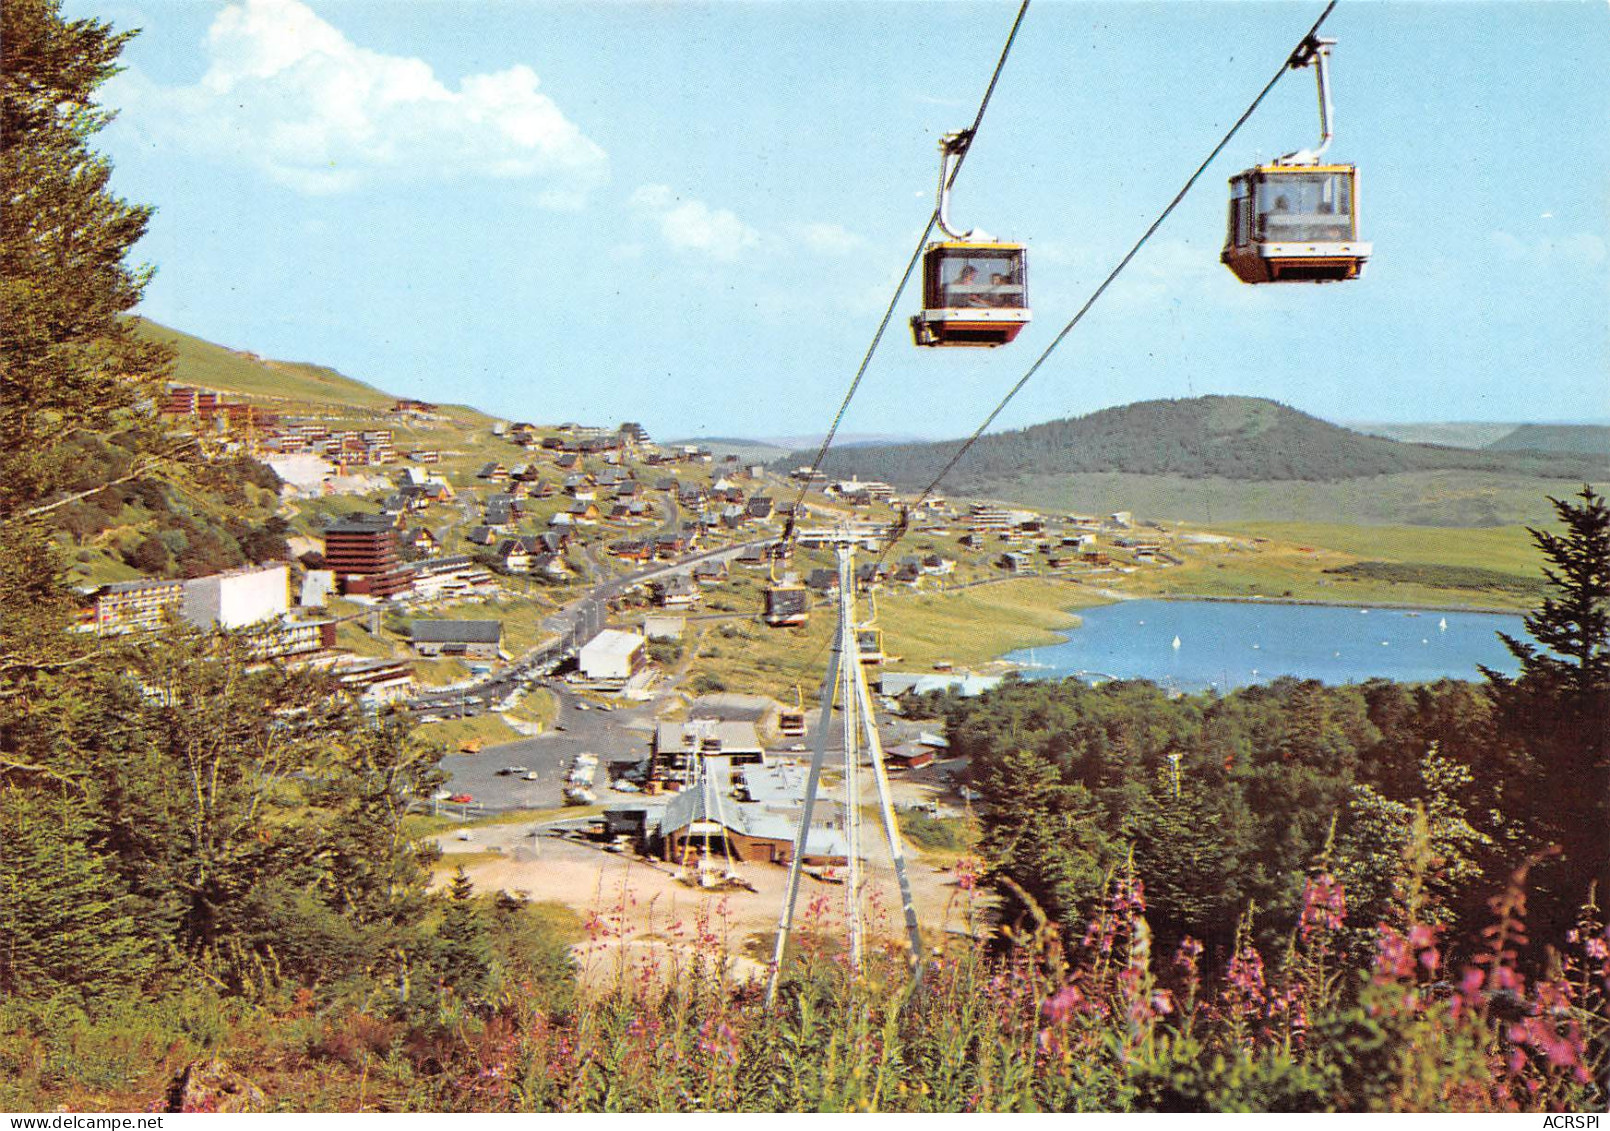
[(845, 684)]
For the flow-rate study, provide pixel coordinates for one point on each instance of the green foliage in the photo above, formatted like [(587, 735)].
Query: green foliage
[(1557, 711), (1051, 848), (65, 922), (707, 683), (941, 834), (463, 943), (63, 283), (665, 651), (1442, 577), (1225, 800), (1187, 1077)]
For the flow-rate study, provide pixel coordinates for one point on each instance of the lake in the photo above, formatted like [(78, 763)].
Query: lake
[(1226, 644)]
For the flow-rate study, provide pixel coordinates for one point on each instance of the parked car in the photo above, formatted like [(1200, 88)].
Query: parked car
[(461, 798)]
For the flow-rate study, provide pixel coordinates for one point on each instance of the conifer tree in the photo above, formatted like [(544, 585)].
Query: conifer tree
[(72, 361), (465, 942), (64, 922), (1044, 835), (1558, 708)]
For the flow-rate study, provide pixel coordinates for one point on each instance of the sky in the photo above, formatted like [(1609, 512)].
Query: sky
[(693, 215)]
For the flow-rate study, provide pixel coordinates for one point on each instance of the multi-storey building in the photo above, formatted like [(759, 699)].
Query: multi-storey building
[(133, 606), (362, 552), (239, 597)]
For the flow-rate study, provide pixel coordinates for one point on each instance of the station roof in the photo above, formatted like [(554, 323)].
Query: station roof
[(456, 631)]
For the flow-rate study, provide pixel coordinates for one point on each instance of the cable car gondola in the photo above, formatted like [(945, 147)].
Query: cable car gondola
[(1296, 220), (869, 643), (974, 289), (788, 602)]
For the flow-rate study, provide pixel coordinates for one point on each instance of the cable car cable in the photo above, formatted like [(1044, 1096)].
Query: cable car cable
[(1107, 282), (888, 315)]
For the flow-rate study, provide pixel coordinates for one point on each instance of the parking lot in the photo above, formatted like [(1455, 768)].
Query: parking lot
[(617, 735)]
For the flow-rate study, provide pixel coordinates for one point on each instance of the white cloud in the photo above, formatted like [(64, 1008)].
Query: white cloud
[(288, 92), (692, 225), (829, 239)]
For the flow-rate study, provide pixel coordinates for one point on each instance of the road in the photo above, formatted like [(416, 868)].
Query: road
[(576, 623)]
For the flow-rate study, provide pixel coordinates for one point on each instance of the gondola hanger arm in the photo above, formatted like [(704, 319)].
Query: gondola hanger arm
[(1314, 52), (952, 148)]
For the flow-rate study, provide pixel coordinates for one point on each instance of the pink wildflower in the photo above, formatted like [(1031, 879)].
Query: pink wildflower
[(1324, 904), (1057, 1008)]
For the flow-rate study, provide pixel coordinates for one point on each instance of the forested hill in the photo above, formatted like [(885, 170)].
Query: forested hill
[(1585, 439), (1242, 438)]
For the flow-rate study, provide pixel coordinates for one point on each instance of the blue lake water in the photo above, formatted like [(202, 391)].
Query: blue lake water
[(1226, 644)]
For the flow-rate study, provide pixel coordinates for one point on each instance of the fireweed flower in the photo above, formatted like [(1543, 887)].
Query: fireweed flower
[(1057, 1008), (1324, 904)]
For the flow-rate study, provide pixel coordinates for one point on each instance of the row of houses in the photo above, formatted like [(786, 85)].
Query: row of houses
[(253, 598), (268, 432)]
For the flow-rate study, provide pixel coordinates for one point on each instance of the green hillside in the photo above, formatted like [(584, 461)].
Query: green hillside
[(1467, 499), (1581, 439), (1233, 438), (199, 362)]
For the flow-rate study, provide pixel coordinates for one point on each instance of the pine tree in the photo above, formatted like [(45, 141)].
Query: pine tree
[(1043, 835), (71, 359), (1558, 708), (464, 942), (63, 920)]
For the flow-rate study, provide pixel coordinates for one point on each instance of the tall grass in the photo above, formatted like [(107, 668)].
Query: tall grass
[(669, 1018)]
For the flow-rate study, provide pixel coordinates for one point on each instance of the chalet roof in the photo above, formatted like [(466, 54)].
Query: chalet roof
[(456, 631), (823, 579), (676, 583)]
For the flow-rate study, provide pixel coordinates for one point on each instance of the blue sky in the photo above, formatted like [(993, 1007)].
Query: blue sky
[(693, 214)]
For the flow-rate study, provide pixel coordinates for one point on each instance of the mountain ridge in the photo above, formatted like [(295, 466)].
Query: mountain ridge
[(1224, 437)]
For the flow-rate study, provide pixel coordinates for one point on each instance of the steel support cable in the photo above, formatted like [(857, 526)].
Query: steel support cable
[(911, 265), (1100, 290)]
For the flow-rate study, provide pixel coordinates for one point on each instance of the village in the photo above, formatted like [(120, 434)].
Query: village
[(553, 601)]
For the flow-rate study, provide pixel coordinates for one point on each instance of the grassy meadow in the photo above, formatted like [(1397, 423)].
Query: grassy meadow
[(213, 366), (1419, 499)]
